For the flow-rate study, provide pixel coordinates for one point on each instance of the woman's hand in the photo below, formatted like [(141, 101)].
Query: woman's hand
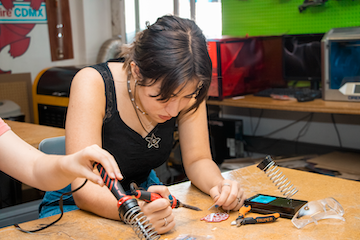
[(159, 212), (228, 194)]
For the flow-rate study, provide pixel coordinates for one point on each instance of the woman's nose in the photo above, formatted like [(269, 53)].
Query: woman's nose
[(173, 107)]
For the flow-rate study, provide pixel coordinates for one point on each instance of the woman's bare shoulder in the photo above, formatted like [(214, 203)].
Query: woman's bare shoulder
[(88, 74)]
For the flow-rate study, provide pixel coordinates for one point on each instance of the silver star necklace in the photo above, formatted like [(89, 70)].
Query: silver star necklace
[(153, 141)]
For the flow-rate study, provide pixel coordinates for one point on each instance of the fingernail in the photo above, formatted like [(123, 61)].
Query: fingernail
[(216, 206), (100, 182), (170, 197), (111, 175)]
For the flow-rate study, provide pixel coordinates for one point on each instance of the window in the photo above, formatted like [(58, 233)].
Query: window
[(207, 14)]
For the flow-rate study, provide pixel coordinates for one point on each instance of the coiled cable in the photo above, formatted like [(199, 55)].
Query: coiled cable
[(278, 178)]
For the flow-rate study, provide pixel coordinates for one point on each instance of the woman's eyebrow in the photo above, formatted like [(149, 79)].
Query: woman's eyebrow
[(191, 94), (195, 92)]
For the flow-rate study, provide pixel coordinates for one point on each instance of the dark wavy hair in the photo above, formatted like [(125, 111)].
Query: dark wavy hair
[(173, 50)]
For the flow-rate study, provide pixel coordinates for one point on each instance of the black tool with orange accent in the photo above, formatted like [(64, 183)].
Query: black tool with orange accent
[(262, 219), (152, 196), (128, 208), (243, 211), (113, 184), (241, 220)]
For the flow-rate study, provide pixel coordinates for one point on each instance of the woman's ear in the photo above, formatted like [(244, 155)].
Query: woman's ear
[(135, 70)]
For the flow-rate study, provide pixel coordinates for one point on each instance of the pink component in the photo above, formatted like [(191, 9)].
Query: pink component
[(215, 217)]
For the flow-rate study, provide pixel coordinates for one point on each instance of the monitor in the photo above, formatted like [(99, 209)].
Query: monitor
[(302, 58)]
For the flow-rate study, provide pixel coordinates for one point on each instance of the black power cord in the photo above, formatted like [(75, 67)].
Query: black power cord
[(301, 133), (61, 209), (337, 131)]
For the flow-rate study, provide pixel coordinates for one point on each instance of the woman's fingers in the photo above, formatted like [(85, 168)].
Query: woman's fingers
[(237, 202), (160, 189), (80, 164), (163, 224), (97, 154), (159, 214), (228, 194)]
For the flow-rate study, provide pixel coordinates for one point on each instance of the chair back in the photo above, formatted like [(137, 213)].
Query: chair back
[(55, 145)]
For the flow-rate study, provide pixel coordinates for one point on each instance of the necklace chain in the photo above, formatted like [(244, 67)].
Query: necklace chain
[(153, 141), (132, 98)]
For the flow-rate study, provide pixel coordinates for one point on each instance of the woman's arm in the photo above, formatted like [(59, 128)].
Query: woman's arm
[(199, 166), (83, 128), (51, 172), (84, 121)]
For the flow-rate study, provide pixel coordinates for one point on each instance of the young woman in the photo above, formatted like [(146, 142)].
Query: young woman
[(130, 106), (50, 172)]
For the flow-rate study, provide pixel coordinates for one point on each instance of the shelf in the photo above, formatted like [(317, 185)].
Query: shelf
[(318, 105)]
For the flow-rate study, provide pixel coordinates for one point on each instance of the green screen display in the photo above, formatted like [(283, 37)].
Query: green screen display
[(274, 18)]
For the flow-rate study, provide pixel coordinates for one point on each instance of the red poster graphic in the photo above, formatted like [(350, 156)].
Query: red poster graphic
[(14, 34)]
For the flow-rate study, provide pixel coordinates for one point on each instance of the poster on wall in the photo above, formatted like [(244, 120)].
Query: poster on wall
[(17, 23)]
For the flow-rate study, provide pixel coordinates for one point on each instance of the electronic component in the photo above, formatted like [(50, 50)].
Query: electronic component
[(267, 204)]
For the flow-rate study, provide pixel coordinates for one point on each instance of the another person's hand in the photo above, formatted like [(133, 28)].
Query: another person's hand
[(80, 164), (228, 194), (159, 212)]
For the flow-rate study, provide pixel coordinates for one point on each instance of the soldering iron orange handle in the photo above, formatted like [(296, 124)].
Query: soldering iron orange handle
[(152, 196)]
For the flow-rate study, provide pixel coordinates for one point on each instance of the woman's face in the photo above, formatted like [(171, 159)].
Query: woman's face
[(162, 111)]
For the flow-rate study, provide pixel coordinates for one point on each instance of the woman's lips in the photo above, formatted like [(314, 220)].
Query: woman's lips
[(164, 117)]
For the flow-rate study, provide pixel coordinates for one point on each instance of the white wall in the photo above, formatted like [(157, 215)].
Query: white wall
[(91, 27), (321, 129)]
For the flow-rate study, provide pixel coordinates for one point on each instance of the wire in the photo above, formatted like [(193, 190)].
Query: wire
[(337, 131), (61, 209), (258, 123), (303, 130), (282, 128), (251, 124), (301, 133), (249, 154)]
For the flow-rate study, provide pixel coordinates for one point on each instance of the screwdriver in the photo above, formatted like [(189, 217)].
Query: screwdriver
[(152, 196)]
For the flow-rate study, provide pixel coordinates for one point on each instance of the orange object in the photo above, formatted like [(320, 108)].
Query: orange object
[(244, 210), (241, 220)]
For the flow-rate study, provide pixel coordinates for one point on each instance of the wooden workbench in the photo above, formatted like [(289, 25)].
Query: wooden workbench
[(34, 133), (318, 105), (83, 225)]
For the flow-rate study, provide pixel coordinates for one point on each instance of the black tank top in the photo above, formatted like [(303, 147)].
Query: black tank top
[(129, 148)]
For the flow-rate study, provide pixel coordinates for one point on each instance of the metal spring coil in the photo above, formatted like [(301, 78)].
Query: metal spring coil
[(139, 223), (278, 180)]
